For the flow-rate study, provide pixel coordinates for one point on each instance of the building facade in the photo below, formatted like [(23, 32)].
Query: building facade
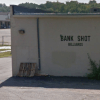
[(57, 43), (4, 20)]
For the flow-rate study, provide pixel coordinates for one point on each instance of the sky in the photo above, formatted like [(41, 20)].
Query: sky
[(16, 2)]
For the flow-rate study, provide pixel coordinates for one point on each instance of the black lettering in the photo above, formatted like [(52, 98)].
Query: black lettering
[(82, 38), (69, 44), (68, 38), (65, 38), (89, 38), (71, 38), (78, 38), (78, 44), (75, 44), (85, 38), (81, 44), (61, 37)]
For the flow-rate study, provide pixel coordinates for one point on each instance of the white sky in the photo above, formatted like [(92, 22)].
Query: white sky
[(15, 2)]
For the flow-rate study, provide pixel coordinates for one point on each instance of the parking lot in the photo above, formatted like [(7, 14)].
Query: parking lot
[(4, 32), (5, 36), (45, 87)]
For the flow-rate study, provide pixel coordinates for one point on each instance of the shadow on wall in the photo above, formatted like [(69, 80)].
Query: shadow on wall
[(53, 82)]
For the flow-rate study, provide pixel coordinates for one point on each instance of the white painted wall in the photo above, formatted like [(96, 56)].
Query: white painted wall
[(24, 46), (57, 58)]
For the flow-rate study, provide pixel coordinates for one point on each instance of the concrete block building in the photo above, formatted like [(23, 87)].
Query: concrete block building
[(57, 43)]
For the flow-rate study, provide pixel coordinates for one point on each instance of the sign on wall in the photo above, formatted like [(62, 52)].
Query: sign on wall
[(72, 38)]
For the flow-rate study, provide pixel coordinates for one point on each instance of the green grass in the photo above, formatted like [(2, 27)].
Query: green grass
[(4, 45), (4, 49), (5, 54)]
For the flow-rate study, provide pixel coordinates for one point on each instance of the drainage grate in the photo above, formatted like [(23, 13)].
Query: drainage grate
[(27, 69)]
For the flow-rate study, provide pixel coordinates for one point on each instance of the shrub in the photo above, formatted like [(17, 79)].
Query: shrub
[(94, 69)]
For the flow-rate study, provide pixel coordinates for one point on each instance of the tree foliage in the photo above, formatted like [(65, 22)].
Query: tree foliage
[(4, 8), (72, 6)]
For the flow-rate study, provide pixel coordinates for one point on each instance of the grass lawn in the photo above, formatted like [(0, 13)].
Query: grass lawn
[(5, 54), (4, 49), (4, 45)]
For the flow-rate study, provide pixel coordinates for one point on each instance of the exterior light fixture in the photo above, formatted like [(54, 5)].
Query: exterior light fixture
[(22, 31)]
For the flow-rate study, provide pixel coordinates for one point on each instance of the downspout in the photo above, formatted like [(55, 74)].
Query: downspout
[(38, 38)]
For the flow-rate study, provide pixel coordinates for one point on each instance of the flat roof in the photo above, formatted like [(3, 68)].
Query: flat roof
[(63, 14), (19, 11), (56, 15)]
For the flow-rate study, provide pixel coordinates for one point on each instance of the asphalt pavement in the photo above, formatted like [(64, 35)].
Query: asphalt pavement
[(45, 87)]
